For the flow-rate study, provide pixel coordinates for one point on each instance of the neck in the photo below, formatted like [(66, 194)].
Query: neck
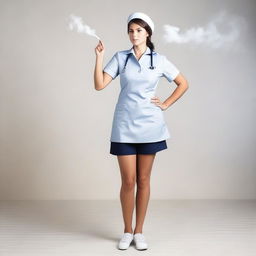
[(139, 49)]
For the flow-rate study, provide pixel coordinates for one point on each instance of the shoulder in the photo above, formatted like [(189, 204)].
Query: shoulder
[(165, 60), (122, 52), (160, 56), (121, 55), (125, 52)]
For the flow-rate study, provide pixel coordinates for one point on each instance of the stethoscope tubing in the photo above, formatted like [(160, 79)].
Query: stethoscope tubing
[(151, 61)]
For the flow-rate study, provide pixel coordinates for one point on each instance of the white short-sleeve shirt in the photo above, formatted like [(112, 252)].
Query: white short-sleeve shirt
[(136, 119)]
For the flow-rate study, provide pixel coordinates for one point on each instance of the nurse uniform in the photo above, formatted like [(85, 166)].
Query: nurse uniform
[(137, 119)]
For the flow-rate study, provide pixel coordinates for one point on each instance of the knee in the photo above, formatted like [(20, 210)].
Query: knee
[(143, 182), (129, 183)]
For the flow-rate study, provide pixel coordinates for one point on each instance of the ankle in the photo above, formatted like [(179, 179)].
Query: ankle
[(137, 231), (126, 230)]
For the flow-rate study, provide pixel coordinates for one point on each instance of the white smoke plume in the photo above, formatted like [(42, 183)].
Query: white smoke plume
[(210, 34), (76, 23)]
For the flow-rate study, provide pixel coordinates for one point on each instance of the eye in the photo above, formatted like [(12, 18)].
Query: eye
[(139, 30)]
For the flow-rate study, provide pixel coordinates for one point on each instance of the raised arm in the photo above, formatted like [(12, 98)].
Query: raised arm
[(101, 79)]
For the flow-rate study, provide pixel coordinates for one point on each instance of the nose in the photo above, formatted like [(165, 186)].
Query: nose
[(134, 33)]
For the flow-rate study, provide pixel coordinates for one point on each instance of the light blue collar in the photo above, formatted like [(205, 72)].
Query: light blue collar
[(146, 52)]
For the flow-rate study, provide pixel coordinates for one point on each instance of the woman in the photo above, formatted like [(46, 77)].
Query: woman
[(138, 129)]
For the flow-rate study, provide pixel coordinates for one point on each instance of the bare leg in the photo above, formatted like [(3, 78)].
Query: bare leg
[(144, 167), (127, 164)]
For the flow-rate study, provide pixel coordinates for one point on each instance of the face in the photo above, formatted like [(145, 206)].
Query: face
[(137, 34)]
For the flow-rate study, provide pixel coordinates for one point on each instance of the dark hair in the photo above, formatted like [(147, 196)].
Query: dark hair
[(145, 25)]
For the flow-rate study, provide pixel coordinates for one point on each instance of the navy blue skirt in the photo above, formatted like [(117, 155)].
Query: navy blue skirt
[(121, 148)]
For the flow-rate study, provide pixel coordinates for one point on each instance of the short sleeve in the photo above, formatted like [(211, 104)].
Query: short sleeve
[(170, 71), (112, 67)]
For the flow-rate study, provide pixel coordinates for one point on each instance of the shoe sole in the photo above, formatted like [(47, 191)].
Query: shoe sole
[(142, 249)]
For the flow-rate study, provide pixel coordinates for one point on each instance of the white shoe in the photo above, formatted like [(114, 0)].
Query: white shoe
[(140, 241), (125, 241)]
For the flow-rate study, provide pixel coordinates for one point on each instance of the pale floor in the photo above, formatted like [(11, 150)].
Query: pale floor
[(172, 227)]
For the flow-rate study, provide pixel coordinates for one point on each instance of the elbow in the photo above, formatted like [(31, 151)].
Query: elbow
[(98, 87), (185, 85)]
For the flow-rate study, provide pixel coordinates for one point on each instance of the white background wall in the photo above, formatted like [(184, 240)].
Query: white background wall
[(55, 127)]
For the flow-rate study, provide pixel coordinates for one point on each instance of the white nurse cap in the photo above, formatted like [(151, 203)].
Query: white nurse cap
[(143, 16)]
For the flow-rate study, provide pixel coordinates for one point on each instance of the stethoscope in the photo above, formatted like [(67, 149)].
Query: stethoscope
[(151, 61)]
